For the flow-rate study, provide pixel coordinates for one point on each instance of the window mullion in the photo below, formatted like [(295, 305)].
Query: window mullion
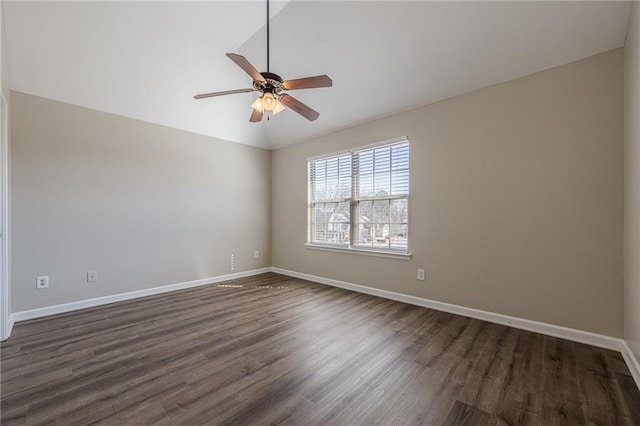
[(389, 222), (353, 208), (310, 202)]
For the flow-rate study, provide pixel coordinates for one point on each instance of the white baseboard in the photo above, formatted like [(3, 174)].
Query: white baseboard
[(82, 304), (580, 336), (632, 362)]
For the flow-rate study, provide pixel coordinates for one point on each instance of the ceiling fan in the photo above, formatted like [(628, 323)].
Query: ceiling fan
[(273, 88)]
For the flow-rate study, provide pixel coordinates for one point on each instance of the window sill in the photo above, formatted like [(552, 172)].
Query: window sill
[(364, 252)]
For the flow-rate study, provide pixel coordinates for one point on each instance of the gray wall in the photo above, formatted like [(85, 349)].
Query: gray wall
[(143, 205), (632, 182), (516, 201)]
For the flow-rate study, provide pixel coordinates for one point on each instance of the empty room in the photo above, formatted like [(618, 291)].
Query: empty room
[(320, 212)]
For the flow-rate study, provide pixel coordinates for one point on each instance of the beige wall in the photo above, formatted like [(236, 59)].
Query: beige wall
[(143, 205), (516, 200), (632, 182)]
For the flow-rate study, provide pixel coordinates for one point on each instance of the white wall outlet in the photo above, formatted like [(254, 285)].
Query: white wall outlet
[(232, 266), (256, 254), (92, 277), (421, 274), (42, 282)]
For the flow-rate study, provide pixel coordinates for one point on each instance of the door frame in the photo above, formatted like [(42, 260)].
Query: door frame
[(5, 264)]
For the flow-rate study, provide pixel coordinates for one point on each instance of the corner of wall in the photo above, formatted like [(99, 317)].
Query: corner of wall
[(6, 333), (632, 362), (632, 191)]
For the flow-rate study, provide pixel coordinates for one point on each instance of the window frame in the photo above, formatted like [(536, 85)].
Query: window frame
[(354, 199)]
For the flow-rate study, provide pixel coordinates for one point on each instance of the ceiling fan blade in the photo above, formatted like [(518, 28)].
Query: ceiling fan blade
[(256, 116), (307, 83), (242, 62), (299, 107), (226, 92)]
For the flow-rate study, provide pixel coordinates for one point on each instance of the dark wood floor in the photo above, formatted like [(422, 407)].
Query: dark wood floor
[(273, 349)]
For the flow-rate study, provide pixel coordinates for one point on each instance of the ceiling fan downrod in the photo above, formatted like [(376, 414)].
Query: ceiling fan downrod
[(267, 35)]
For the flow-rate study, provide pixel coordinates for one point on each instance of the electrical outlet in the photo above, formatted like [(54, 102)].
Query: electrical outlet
[(421, 274), (256, 254), (92, 277), (42, 282)]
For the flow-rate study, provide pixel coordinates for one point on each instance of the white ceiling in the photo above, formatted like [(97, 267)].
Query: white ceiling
[(146, 60)]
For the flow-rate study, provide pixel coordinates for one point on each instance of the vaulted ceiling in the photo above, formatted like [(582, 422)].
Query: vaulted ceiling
[(146, 60)]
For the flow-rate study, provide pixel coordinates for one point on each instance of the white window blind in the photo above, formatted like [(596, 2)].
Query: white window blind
[(360, 199), (330, 193)]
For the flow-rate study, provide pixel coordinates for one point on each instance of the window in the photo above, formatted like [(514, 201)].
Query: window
[(359, 200)]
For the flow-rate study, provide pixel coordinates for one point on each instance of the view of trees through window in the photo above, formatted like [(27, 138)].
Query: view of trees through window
[(360, 199)]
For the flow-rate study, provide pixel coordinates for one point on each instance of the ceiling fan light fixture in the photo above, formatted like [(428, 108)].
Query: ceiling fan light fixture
[(257, 105), (268, 101), (278, 108)]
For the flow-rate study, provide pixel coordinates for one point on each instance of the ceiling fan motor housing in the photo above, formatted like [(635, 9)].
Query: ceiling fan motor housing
[(273, 82)]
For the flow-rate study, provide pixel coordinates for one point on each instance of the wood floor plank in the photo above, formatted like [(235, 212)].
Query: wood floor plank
[(462, 414), (271, 349)]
